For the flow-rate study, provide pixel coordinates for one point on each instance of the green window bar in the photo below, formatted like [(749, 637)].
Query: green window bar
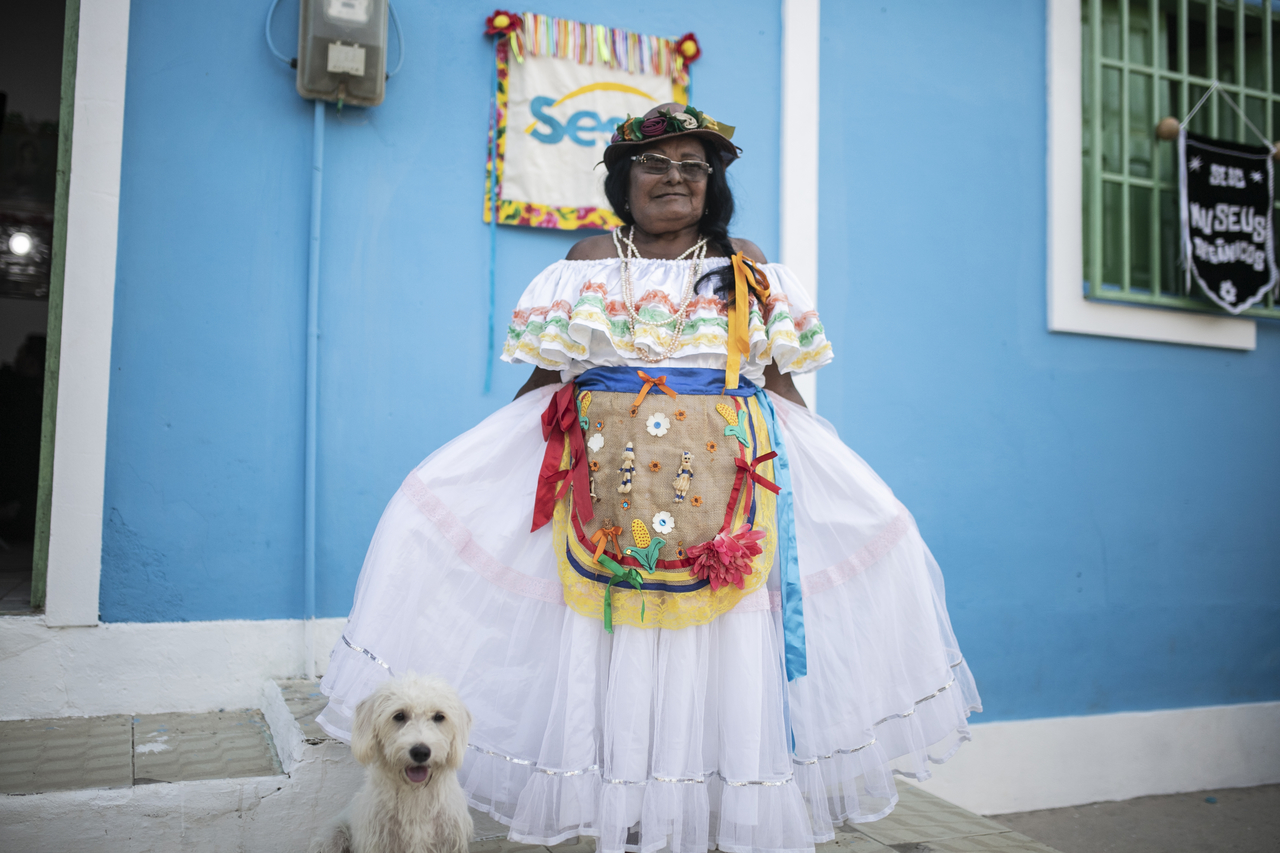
[(1144, 60)]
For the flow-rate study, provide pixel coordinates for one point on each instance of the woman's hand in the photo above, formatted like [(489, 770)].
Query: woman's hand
[(781, 384), (538, 379)]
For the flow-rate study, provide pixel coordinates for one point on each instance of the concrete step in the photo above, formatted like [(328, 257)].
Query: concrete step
[(267, 778), (40, 756)]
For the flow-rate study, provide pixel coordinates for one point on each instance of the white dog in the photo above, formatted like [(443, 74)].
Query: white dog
[(411, 734)]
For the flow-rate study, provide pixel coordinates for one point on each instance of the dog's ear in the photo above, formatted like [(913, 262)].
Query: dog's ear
[(461, 731), (364, 728)]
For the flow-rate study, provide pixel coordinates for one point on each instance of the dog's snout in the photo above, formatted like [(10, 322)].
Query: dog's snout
[(420, 753)]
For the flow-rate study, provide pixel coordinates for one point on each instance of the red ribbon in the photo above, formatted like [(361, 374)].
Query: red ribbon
[(558, 421), (747, 474)]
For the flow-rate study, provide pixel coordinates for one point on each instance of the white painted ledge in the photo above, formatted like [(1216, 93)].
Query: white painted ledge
[(88, 303), (1055, 762), (1069, 311), (149, 667)]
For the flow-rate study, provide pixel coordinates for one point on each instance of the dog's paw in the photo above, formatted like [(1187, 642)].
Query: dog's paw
[(335, 839)]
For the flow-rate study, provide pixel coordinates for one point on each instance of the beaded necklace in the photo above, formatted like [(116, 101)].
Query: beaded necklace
[(697, 252)]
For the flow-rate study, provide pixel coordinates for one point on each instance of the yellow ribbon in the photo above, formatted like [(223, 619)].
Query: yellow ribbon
[(739, 342)]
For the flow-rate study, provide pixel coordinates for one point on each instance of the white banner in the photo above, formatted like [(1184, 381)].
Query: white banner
[(563, 86), (559, 120)]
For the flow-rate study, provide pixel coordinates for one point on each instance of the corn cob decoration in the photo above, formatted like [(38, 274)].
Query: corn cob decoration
[(735, 428), (584, 402), (640, 533), (648, 546)]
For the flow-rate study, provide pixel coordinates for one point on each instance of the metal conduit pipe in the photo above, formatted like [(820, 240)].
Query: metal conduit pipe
[(313, 347)]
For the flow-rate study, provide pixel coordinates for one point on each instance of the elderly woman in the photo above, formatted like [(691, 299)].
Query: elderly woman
[(720, 628)]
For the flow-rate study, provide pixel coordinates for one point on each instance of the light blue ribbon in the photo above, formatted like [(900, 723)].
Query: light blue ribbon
[(493, 224), (788, 559)]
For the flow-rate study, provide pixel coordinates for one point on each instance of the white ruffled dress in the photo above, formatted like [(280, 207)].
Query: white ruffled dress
[(655, 739)]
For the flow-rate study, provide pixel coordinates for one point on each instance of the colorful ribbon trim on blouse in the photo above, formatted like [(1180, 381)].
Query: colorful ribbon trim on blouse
[(558, 421), (745, 273), (788, 558)]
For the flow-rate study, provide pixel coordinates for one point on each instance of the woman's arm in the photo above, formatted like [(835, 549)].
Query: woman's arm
[(781, 384), (537, 379)]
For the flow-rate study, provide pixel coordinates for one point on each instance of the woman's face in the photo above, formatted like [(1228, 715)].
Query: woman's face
[(664, 203)]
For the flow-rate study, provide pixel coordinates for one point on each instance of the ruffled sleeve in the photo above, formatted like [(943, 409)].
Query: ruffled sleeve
[(795, 338), (539, 330)]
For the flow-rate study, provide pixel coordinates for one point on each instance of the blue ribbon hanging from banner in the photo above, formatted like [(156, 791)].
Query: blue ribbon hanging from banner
[(493, 223), (788, 559)]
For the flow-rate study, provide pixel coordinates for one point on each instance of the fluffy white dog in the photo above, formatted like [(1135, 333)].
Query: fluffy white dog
[(411, 734)]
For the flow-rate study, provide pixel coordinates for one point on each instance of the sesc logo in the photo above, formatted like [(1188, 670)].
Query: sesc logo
[(583, 127)]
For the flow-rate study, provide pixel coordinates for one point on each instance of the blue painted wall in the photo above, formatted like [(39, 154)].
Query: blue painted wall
[(1102, 509), (204, 494)]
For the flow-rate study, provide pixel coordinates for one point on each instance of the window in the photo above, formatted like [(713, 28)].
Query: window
[(1143, 60)]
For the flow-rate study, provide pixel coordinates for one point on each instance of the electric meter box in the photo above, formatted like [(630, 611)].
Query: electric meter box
[(342, 51)]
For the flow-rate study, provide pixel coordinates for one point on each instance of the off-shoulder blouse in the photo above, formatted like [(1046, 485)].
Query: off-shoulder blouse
[(572, 317)]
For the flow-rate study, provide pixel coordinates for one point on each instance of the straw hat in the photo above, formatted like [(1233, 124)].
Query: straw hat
[(665, 121)]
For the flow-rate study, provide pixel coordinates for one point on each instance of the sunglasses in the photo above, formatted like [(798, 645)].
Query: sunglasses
[(693, 171)]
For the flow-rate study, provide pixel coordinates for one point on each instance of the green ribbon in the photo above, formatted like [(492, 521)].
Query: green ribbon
[(620, 575), (738, 431), (648, 555)]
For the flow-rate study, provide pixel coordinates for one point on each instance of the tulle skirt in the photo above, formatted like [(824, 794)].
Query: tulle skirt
[(650, 739)]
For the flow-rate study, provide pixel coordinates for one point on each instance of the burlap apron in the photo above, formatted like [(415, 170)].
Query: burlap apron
[(677, 473)]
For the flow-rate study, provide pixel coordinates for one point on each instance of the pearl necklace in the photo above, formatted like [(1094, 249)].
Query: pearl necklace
[(697, 252)]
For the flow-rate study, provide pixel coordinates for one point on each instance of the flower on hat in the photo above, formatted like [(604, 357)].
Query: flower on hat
[(688, 47), (503, 22), (655, 126)]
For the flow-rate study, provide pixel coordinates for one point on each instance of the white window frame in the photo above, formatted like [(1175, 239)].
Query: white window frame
[(1068, 310)]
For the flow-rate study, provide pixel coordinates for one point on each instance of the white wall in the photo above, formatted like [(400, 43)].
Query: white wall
[(149, 667), (1049, 763)]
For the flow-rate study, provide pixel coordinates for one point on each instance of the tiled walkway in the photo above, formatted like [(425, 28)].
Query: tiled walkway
[(921, 823), (122, 751)]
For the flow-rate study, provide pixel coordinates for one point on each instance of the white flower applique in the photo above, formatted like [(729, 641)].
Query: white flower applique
[(658, 424), (595, 442), (663, 523)]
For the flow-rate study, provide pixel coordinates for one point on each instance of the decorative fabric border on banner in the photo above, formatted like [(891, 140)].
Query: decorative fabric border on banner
[(589, 44), (611, 49)]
